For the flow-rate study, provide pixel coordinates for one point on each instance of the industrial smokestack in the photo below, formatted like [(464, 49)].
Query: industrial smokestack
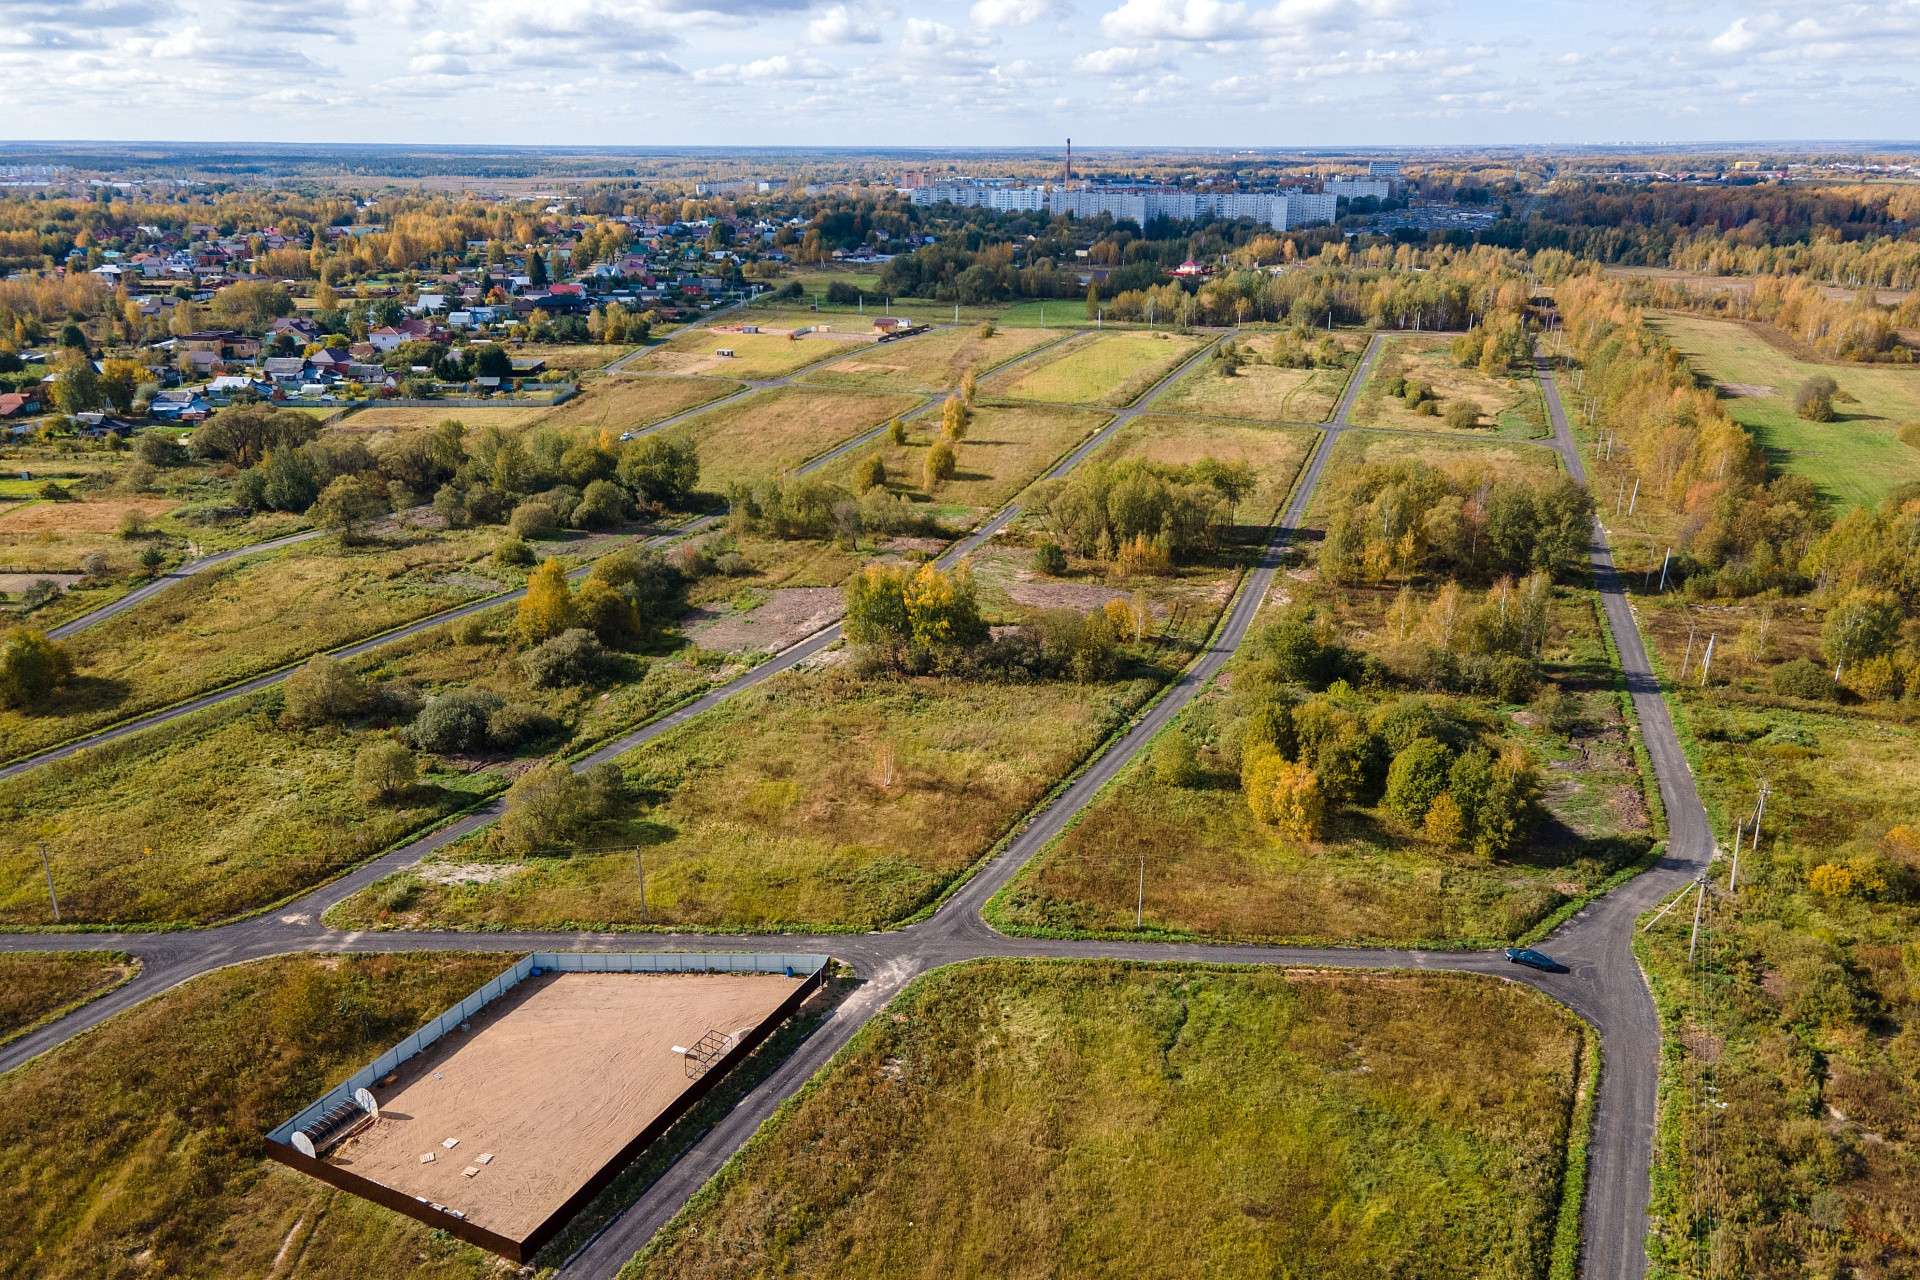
[(1068, 176)]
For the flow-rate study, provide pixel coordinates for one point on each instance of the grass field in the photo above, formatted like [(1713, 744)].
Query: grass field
[(1507, 459), (1427, 359), (1274, 453), (778, 810), (1032, 1119), (1257, 390), (776, 431), (1213, 871), (1805, 1010), (227, 811), (243, 618), (572, 356), (377, 418), (1006, 447), (35, 986), (135, 1148), (627, 404), (932, 363), (1112, 369), (1858, 458), (755, 355)]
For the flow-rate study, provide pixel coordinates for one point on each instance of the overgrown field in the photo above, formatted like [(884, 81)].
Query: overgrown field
[(1857, 458), (1213, 870), (37, 985), (243, 618), (1028, 1119), (1112, 369), (817, 800), (1257, 390), (1790, 1118), (572, 355), (134, 1150), (230, 809), (1498, 459), (1006, 448), (933, 362), (627, 404), (1509, 406), (770, 434), (1274, 453), (375, 417)]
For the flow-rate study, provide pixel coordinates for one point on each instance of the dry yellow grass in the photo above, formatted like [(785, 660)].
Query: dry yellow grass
[(933, 362), (1112, 368), (402, 418), (1275, 453), (755, 355), (578, 356), (96, 515), (1428, 359), (772, 433), (625, 404)]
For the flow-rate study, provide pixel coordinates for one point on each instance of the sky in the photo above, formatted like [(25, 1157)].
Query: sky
[(1250, 73)]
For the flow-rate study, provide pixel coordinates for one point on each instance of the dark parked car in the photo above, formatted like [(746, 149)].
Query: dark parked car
[(1535, 960)]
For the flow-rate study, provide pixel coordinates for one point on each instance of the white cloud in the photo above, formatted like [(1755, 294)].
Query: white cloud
[(1016, 13), (777, 68), (1737, 38), (1120, 60), (840, 25), (1177, 20)]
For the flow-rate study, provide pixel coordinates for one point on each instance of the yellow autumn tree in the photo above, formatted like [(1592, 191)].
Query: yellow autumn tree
[(548, 607), (1282, 794), (1446, 824), (955, 417)]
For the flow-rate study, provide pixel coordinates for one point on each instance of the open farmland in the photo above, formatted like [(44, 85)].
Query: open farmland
[(1274, 453), (1508, 405), (1005, 448), (1112, 369), (770, 434), (1263, 391), (38, 985), (755, 355), (814, 801), (1857, 458), (627, 404), (1030, 1119), (571, 356), (247, 617), (1213, 871), (137, 1145), (933, 362), (377, 417)]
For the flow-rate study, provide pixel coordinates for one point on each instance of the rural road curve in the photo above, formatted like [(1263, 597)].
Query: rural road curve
[(1603, 983)]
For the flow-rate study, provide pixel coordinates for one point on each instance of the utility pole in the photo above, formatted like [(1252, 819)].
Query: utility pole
[(1689, 657), (1706, 663), (1634, 505), (48, 867), (640, 860), (1734, 875), (1698, 903), (1663, 570)]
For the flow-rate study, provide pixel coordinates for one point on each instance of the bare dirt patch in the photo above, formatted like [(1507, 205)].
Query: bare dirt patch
[(1736, 390), (11, 582), (451, 873), (1083, 597), (789, 614), (102, 516), (519, 1111)]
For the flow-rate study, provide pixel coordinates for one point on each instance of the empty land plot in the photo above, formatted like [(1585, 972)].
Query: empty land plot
[(548, 1088), (1031, 1118), (628, 404), (813, 801), (201, 819), (402, 418), (932, 362), (1274, 453), (755, 355), (1257, 390), (143, 1134), (1005, 448), (573, 356), (1213, 871), (1500, 459), (35, 986), (240, 619), (1857, 458), (1113, 369), (770, 434), (1429, 359)]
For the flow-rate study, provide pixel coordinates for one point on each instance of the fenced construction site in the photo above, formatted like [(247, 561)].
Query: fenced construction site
[(500, 1119)]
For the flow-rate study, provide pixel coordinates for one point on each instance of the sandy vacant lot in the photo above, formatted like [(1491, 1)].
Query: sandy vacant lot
[(788, 615), (83, 517), (550, 1082)]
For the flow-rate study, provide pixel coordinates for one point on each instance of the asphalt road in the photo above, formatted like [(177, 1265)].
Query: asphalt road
[(1603, 982)]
